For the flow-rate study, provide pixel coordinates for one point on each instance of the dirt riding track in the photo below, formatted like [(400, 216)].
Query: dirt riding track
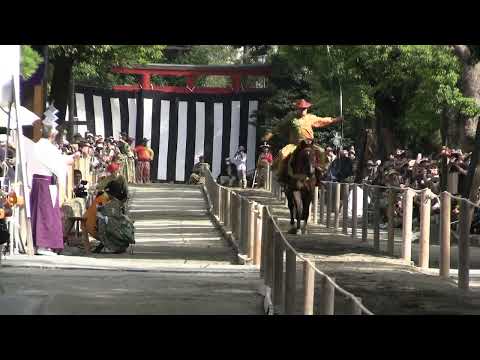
[(386, 285)]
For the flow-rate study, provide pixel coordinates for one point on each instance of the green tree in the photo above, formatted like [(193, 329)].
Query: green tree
[(91, 64), (400, 90), (30, 60), (208, 55)]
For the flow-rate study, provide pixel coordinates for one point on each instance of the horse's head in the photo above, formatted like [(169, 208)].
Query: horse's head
[(305, 159)]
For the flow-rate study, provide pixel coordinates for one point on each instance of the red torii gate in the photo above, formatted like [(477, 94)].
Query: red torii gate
[(192, 73)]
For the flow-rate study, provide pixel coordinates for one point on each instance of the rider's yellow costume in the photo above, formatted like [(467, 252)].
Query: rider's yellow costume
[(300, 128)]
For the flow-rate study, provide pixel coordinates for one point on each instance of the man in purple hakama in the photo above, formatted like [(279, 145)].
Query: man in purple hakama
[(49, 168)]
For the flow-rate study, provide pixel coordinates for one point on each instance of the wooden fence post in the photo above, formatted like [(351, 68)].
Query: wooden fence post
[(354, 211), (464, 246), (424, 246), (327, 297), (271, 180), (445, 210), (308, 288), (234, 215), (290, 282), (337, 206), (391, 219), (266, 181), (257, 253), (227, 212), (221, 204), (251, 230), (244, 225), (218, 207), (264, 242), (269, 253), (315, 205), (365, 213), (345, 208), (278, 271), (321, 201), (407, 224), (329, 204), (376, 220)]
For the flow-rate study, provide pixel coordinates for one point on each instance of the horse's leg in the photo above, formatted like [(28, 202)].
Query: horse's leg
[(306, 200), (297, 196), (291, 207)]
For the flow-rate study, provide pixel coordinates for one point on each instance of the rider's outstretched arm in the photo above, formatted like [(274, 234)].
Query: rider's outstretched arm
[(319, 122)]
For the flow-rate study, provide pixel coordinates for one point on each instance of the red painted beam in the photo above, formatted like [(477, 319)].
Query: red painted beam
[(191, 76), (183, 90), (195, 73)]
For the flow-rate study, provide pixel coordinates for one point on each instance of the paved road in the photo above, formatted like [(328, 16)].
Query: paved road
[(180, 265)]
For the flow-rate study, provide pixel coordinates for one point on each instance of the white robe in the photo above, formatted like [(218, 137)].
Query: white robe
[(240, 160), (47, 160)]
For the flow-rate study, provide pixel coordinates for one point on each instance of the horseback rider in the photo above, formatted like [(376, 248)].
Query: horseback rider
[(301, 129)]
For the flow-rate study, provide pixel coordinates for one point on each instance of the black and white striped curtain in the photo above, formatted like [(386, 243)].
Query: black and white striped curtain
[(181, 127)]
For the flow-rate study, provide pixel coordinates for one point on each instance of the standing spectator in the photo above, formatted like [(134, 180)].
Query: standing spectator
[(330, 154), (127, 158), (49, 169), (265, 160), (144, 156), (240, 160), (131, 161)]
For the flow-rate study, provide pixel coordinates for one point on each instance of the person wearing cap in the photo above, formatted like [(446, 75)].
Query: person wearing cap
[(265, 155), (114, 174), (265, 159), (49, 169), (301, 127), (129, 157), (131, 161), (144, 155), (240, 161)]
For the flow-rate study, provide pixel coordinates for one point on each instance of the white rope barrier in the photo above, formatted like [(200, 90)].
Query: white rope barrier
[(210, 181)]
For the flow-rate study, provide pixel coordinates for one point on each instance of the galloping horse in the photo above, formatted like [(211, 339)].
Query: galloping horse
[(301, 177)]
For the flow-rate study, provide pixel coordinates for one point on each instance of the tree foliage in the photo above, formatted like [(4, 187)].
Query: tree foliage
[(92, 63), (400, 87), (30, 60)]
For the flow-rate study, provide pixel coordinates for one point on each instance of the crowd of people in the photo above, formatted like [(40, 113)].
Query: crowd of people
[(403, 169), (109, 165), (134, 161)]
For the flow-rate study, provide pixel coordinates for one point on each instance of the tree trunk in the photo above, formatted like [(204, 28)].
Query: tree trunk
[(444, 167), (473, 177), (59, 93), (387, 113), (470, 88)]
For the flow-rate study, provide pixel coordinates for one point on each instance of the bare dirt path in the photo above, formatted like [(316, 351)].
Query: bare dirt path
[(386, 285)]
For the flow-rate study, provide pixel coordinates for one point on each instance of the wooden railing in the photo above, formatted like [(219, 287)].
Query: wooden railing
[(256, 235), (332, 197)]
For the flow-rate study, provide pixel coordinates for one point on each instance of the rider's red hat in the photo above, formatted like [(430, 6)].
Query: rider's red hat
[(303, 104)]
